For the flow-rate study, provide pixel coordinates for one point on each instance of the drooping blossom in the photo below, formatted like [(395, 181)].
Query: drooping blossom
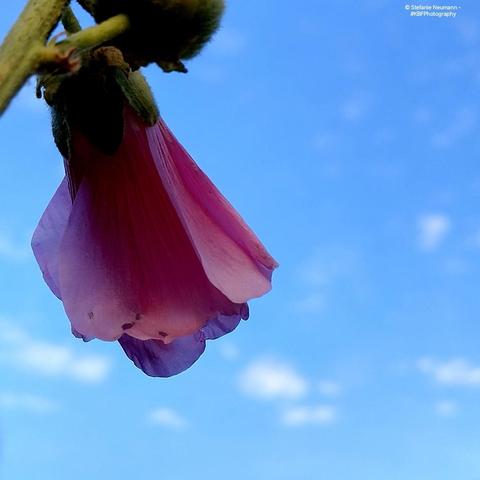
[(142, 248)]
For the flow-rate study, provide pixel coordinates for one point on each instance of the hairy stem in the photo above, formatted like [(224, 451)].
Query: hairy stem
[(70, 21), (97, 35), (21, 51)]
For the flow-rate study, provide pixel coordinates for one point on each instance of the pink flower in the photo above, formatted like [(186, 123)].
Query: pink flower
[(149, 252)]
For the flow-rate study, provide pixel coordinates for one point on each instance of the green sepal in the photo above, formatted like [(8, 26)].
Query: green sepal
[(61, 130), (169, 67), (138, 94), (90, 102)]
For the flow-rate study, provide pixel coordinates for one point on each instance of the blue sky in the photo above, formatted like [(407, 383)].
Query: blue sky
[(346, 134)]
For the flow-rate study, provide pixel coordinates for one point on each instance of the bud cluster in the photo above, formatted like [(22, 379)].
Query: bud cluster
[(162, 31)]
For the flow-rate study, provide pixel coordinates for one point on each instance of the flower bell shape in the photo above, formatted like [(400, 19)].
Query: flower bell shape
[(142, 248)]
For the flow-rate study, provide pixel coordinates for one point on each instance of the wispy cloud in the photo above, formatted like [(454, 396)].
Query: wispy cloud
[(309, 415), (313, 302), (279, 383), (272, 379), (446, 408), (456, 372), (20, 350), (322, 272), (26, 401), (432, 230), (168, 418), (213, 69)]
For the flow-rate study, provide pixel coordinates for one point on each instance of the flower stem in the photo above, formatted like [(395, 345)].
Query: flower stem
[(24, 51), (70, 21), (20, 53), (97, 35)]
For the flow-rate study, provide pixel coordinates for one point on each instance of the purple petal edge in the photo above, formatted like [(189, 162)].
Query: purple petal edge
[(48, 235), (157, 359)]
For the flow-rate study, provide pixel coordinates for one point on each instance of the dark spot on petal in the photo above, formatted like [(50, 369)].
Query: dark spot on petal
[(127, 326), (244, 312), (138, 316), (90, 315), (163, 334)]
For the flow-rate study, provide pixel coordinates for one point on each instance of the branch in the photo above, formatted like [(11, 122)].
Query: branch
[(24, 50), (21, 52)]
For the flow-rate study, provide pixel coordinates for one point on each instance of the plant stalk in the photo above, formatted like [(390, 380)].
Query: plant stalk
[(70, 21), (21, 51), (97, 35), (24, 51)]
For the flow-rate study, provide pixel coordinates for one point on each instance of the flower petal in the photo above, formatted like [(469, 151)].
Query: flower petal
[(48, 235), (126, 263), (157, 359), (164, 360), (223, 324), (232, 256)]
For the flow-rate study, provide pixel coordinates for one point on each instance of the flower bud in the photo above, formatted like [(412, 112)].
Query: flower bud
[(92, 101), (163, 31)]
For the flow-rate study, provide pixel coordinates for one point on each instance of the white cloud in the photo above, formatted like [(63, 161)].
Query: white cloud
[(432, 230), (446, 408), (49, 359), (271, 379), (456, 372), (92, 369), (167, 417), (21, 401), (305, 415), (329, 388)]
